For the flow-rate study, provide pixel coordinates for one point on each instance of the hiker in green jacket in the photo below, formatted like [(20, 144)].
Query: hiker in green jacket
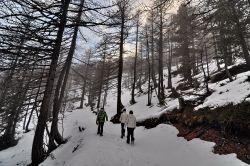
[(100, 119)]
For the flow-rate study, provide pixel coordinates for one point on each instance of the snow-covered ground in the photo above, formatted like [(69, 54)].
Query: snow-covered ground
[(19, 154), (159, 146), (155, 147)]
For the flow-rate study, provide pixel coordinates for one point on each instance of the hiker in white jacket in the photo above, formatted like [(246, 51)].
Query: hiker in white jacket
[(123, 119), (131, 125)]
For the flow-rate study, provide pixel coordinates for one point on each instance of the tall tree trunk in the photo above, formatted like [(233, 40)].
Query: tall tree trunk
[(38, 152), (60, 88), (56, 108), (160, 60), (141, 71), (149, 70), (194, 57), (85, 81), (135, 63), (225, 54), (106, 87), (197, 63), (226, 64), (184, 31), (83, 94), (102, 75), (207, 64), (216, 53), (204, 73), (36, 98), (170, 64), (120, 70), (152, 51)]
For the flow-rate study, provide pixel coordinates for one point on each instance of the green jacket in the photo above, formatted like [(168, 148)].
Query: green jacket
[(101, 116)]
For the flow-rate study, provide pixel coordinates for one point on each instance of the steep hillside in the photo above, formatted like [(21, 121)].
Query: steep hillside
[(221, 116)]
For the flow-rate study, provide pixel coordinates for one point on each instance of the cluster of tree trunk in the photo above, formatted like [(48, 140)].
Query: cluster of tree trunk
[(35, 65)]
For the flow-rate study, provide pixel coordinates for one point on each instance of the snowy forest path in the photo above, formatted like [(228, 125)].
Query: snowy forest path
[(159, 146)]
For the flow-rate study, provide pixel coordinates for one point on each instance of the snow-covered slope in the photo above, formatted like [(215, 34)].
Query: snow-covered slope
[(159, 146), (140, 109), (226, 92)]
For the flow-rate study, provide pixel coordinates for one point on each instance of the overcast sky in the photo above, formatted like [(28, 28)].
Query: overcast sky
[(173, 8), (93, 39)]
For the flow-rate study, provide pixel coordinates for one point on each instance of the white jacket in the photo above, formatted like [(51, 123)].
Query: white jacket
[(123, 117), (131, 121)]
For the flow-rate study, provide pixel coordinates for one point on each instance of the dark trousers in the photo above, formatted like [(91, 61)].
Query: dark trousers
[(122, 130), (100, 128), (130, 134)]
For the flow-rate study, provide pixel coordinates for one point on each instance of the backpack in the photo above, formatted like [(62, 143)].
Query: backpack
[(101, 116)]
